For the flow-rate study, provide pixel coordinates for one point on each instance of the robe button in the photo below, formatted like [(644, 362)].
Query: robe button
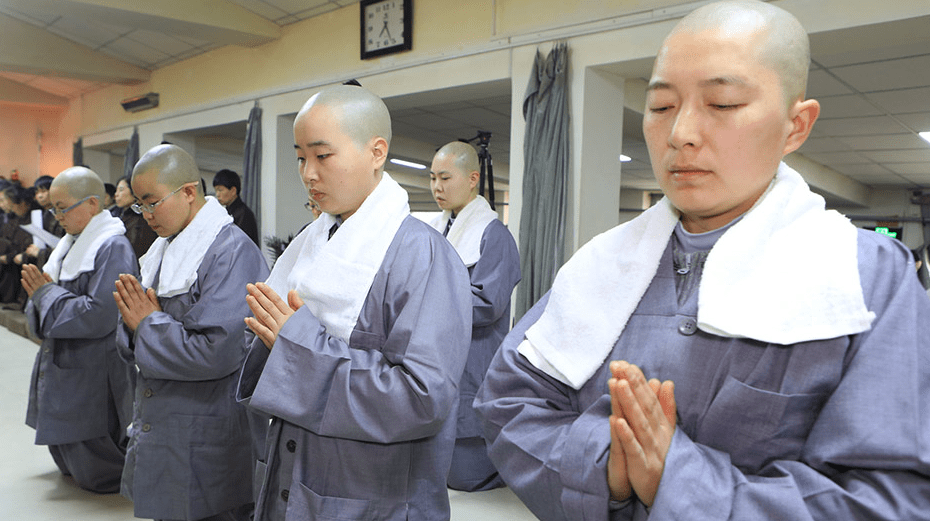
[(146, 427), (46, 350), (41, 374), (687, 326), (291, 445), (284, 494), (147, 393)]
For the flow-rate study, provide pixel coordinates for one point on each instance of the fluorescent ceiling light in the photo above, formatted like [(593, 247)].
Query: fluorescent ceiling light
[(409, 164), (625, 159), (925, 135)]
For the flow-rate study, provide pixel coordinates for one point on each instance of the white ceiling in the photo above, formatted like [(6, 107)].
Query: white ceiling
[(873, 81)]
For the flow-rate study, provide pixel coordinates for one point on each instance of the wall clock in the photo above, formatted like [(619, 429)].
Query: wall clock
[(386, 27)]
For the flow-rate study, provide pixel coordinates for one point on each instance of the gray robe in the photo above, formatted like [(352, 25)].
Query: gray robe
[(190, 452), (80, 387), (493, 278), (365, 430), (833, 429)]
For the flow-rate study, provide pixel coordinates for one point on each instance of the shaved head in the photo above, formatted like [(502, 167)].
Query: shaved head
[(173, 165), (782, 42), (361, 114), (464, 157), (80, 182)]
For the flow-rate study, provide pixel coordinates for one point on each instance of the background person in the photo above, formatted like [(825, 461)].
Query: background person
[(489, 252), (190, 449), (227, 185), (80, 398)]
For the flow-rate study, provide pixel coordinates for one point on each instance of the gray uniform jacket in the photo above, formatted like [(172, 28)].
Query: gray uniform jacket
[(79, 382), (365, 430), (189, 454)]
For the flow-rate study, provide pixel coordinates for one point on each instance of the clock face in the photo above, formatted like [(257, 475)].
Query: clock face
[(385, 27)]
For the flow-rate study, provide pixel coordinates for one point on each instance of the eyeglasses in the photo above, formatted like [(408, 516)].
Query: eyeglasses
[(61, 213), (150, 208)]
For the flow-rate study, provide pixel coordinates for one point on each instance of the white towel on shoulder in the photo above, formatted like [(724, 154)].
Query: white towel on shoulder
[(71, 256), (333, 275), (787, 272), (467, 229), (180, 258)]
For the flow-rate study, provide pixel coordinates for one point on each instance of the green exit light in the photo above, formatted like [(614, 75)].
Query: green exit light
[(885, 231)]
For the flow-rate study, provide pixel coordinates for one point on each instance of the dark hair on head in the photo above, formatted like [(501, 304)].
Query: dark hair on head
[(110, 189), (43, 182), (16, 193), (128, 180), (228, 179)]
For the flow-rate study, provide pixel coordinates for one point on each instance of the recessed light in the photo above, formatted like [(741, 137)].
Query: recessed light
[(625, 159), (408, 164), (925, 135)]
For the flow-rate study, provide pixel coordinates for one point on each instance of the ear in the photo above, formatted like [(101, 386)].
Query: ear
[(379, 152), (473, 179), (803, 114)]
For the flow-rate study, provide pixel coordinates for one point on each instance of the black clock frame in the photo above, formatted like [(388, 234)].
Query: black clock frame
[(406, 45)]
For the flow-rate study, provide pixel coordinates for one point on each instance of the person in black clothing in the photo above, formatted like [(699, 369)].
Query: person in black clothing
[(227, 185), (139, 233)]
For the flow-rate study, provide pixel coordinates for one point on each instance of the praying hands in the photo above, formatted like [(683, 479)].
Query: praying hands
[(134, 302), (642, 422), (32, 279), (271, 312)]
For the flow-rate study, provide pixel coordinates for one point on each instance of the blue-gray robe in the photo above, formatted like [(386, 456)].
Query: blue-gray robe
[(826, 430), (493, 278), (79, 382), (365, 430), (190, 453)]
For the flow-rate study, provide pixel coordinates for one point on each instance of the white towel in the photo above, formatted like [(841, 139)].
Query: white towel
[(787, 272), (73, 256), (467, 229), (179, 259), (333, 276)]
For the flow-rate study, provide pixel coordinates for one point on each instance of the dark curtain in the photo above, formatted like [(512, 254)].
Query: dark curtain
[(132, 153), (546, 163), (252, 165), (77, 152)]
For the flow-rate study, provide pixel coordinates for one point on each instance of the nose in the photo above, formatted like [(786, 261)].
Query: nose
[(686, 128), (308, 174)]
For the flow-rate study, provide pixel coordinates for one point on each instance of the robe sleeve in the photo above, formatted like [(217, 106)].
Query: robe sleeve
[(494, 276), (868, 454), (58, 313), (390, 386), (206, 340), (552, 455)]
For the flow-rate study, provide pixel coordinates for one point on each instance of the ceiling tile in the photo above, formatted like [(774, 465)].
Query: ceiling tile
[(919, 122), (822, 144), (873, 169), (819, 83), (872, 125), (902, 101), (910, 168), (846, 106), (33, 16), (836, 158), (884, 142), (860, 56), (297, 6), (918, 179), (316, 11), (167, 44), (135, 51), (261, 8), (878, 76), (898, 156)]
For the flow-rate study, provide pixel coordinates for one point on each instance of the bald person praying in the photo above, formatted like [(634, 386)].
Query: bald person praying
[(488, 250), (190, 452), (80, 400), (362, 334), (713, 359)]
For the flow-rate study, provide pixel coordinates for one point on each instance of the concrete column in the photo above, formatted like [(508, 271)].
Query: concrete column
[(597, 140)]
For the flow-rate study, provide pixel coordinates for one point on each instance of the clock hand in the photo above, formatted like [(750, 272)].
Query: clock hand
[(385, 28)]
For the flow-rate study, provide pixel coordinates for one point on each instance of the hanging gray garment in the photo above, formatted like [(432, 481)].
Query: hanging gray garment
[(546, 163)]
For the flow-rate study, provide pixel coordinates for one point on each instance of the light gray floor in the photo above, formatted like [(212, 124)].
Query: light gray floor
[(32, 488)]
